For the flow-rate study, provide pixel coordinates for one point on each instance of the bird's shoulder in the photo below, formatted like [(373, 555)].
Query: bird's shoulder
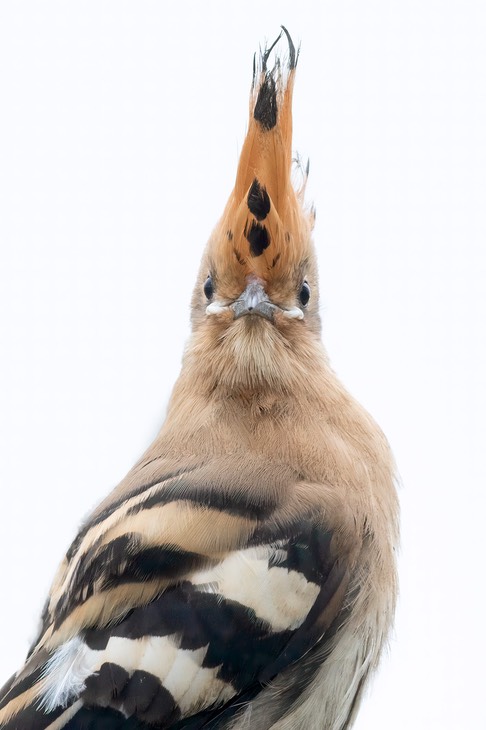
[(189, 588)]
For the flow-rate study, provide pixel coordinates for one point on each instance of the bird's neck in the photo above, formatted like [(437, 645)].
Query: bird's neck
[(254, 358), (248, 384), (261, 399)]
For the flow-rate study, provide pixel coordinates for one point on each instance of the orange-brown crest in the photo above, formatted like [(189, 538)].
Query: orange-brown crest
[(264, 230)]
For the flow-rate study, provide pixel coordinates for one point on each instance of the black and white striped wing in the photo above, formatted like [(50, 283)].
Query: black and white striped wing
[(175, 606)]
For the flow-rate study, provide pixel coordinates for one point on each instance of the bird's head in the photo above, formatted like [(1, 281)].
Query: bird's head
[(258, 279)]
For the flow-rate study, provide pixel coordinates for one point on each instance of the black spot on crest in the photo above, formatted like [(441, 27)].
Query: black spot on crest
[(229, 234), (258, 200), (258, 238), (265, 110), (240, 260), (274, 262), (287, 237)]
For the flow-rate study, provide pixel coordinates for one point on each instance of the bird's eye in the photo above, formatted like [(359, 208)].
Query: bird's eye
[(304, 294), (208, 288)]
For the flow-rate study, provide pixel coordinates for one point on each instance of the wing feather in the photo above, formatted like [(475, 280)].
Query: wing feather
[(179, 602)]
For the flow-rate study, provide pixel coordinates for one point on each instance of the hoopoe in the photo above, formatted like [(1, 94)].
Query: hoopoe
[(242, 575)]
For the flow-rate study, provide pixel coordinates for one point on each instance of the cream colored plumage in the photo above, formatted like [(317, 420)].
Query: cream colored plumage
[(243, 573)]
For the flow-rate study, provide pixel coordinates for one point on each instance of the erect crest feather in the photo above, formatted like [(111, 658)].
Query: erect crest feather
[(264, 230)]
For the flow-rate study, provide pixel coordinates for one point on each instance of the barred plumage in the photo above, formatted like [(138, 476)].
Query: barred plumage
[(242, 574)]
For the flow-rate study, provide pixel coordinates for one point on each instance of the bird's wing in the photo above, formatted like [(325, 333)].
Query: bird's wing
[(180, 599)]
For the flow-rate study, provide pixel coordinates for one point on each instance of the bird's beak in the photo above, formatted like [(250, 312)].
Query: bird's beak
[(254, 300)]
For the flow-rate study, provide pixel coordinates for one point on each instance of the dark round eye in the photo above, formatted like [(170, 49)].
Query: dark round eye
[(208, 287), (304, 294)]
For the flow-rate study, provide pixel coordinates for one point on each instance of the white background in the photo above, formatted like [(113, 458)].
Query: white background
[(120, 128)]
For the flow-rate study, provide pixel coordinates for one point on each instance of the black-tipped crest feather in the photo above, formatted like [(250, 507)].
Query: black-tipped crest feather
[(266, 108), (266, 105)]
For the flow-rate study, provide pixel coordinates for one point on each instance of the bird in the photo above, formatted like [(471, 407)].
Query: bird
[(243, 574)]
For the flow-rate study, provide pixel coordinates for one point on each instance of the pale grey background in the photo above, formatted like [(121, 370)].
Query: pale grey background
[(120, 127)]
